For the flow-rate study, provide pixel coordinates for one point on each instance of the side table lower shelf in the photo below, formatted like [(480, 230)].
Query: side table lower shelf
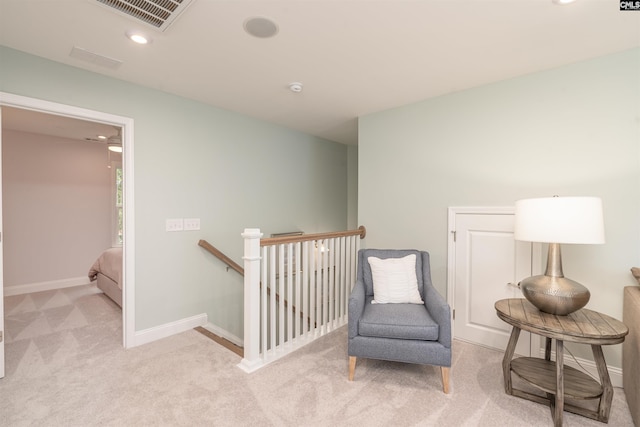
[(541, 373)]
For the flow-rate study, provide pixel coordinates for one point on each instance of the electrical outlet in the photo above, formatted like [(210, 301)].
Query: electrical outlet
[(191, 224), (174, 224)]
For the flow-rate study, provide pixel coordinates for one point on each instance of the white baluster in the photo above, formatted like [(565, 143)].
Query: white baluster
[(281, 295), (314, 288), (331, 277), (289, 293), (297, 317), (272, 299), (306, 285), (325, 287)]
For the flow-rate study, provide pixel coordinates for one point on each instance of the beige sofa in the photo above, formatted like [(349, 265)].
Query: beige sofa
[(631, 351)]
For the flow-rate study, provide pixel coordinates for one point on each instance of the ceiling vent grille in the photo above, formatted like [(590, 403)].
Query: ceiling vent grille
[(159, 14)]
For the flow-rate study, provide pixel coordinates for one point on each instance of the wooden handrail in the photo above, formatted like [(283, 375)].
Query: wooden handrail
[(218, 254), (231, 263), (361, 231)]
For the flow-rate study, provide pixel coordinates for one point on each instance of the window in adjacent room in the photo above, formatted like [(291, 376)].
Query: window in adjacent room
[(117, 198)]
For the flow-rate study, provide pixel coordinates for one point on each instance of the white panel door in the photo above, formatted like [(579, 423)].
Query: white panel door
[(487, 263)]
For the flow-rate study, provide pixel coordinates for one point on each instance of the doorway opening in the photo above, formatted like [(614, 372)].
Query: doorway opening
[(125, 125)]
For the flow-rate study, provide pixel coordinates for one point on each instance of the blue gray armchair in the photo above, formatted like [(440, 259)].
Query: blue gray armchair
[(411, 333)]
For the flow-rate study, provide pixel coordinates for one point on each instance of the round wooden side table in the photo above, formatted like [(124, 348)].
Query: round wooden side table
[(553, 377)]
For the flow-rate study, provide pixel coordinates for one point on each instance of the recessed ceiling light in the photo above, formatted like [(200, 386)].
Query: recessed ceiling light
[(562, 1), (138, 38), (102, 137), (260, 27)]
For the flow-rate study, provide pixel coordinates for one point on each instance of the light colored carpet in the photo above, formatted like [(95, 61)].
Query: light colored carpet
[(66, 367)]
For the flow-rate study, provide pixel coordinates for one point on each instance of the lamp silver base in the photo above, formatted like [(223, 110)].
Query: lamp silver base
[(555, 295)]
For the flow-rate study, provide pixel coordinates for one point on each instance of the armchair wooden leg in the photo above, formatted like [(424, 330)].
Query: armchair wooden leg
[(352, 367), (445, 378)]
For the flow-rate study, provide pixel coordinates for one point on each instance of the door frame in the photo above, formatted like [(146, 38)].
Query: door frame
[(2, 327), (536, 254), (128, 247)]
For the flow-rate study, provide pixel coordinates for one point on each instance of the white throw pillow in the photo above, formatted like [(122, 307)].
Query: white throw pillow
[(394, 280)]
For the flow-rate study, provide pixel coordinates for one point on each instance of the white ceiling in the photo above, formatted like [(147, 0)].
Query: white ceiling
[(354, 57)]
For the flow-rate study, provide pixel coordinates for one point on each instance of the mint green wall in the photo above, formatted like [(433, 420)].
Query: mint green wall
[(352, 155), (573, 131), (197, 161)]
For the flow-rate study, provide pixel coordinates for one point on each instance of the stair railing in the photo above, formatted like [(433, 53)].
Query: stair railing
[(315, 272)]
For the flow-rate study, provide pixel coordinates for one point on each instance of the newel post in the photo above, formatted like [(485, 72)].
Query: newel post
[(251, 360)]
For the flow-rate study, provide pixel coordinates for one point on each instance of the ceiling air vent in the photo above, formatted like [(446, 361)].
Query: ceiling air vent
[(159, 14)]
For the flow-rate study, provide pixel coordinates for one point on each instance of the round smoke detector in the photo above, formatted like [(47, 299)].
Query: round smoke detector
[(295, 87), (260, 27)]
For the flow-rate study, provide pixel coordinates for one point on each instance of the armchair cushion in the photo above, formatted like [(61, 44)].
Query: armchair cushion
[(399, 321), (395, 280)]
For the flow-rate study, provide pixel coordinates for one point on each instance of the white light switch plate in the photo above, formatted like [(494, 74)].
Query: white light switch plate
[(191, 224), (174, 224)]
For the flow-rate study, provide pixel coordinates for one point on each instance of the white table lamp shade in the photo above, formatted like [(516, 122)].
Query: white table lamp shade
[(560, 220)]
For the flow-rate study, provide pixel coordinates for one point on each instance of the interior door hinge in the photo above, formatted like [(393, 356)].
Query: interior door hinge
[(454, 314), (454, 234)]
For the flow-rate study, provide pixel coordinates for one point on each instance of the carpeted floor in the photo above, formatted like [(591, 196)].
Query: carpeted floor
[(65, 366)]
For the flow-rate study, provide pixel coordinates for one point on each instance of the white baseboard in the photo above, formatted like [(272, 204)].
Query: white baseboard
[(224, 334), (590, 366), (163, 331), (29, 288)]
